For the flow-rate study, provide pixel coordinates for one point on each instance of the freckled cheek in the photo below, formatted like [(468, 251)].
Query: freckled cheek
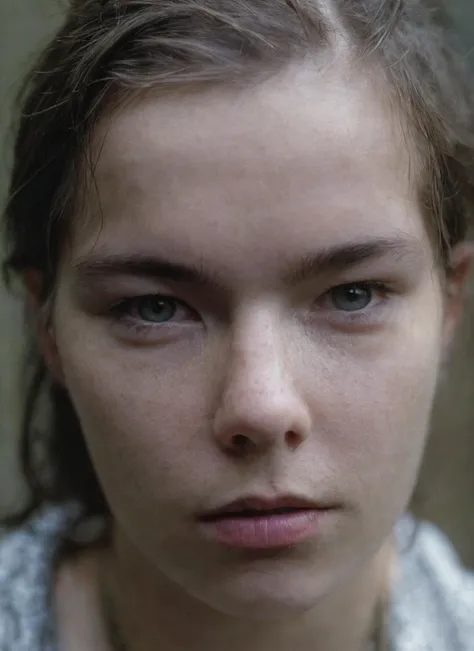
[(378, 421), (141, 418)]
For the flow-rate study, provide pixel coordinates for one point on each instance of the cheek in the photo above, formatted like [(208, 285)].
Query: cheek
[(144, 417), (377, 409)]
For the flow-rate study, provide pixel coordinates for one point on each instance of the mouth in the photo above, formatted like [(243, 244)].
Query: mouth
[(262, 523), (250, 513), (251, 506)]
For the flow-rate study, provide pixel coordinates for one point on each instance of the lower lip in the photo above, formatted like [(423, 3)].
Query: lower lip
[(266, 531)]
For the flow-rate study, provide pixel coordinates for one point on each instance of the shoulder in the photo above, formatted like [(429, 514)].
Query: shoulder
[(26, 577), (434, 599)]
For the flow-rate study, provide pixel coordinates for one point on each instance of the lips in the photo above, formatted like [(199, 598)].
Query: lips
[(256, 523), (258, 506)]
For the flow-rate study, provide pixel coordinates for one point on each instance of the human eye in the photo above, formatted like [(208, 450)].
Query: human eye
[(355, 302), (354, 297), (151, 313)]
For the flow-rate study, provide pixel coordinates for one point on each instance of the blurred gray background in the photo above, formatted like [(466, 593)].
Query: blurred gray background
[(447, 480)]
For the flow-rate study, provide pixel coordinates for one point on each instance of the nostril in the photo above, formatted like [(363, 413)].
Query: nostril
[(241, 444), (293, 440)]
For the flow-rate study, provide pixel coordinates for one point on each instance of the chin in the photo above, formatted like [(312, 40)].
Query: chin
[(267, 595), (265, 606)]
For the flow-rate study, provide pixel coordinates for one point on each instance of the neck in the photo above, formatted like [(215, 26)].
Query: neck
[(153, 612)]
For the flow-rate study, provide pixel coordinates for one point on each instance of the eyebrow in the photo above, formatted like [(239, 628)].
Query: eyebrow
[(338, 258), (104, 265)]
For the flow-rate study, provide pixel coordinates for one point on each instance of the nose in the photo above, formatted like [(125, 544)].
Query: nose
[(259, 405)]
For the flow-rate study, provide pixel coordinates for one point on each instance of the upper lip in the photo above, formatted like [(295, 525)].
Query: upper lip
[(256, 503)]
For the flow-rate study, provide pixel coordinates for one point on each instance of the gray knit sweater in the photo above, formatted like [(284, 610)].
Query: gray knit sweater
[(432, 602)]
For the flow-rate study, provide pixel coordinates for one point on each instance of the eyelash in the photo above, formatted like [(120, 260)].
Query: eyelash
[(120, 311), (365, 315)]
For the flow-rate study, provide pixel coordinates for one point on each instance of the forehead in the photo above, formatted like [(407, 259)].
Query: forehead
[(307, 154)]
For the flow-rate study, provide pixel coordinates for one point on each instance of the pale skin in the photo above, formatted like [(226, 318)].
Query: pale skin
[(335, 403)]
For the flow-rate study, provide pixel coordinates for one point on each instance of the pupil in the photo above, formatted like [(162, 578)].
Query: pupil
[(157, 310), (351, 298)]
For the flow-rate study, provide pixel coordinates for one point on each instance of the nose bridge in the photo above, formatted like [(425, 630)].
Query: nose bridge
[(256, 365), (259, 399)]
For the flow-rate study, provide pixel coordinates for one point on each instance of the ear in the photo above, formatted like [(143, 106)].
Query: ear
[(456, 288), (43, 326)]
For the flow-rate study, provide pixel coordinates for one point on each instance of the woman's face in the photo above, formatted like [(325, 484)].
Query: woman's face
[(251, 308)]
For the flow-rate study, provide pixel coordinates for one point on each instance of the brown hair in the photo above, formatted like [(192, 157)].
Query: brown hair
[(106, 50)]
